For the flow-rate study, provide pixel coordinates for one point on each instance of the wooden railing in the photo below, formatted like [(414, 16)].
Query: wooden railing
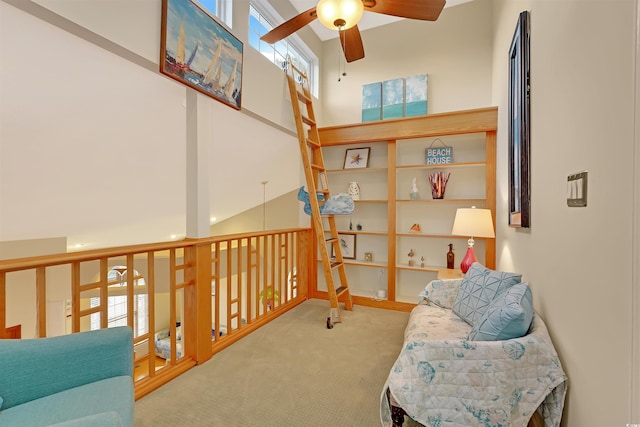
[(201, 295)]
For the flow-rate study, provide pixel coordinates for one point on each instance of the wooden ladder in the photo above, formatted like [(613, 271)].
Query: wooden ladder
[(318, 185)]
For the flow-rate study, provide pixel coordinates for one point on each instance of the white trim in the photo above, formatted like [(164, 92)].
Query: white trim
[(224, 11), (635, 268), (270, 14)]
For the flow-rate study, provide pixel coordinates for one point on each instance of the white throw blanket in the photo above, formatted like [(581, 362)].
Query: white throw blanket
[(442, 379)]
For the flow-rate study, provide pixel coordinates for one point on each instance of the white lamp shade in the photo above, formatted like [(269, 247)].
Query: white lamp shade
[(473, 222), (339, 14)]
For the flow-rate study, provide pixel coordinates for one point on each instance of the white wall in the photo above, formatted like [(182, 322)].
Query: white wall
[(577, 260), (91, 133), (455, 51)]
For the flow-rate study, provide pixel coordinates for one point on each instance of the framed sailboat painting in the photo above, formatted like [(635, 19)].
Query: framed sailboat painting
[(199, 52)]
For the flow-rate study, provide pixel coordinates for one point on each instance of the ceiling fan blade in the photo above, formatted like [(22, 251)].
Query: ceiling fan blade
[(426, 10), (352, 44), (291, 26)]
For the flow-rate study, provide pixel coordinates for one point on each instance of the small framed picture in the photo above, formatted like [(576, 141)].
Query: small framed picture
[(347, 245), (356, 158)]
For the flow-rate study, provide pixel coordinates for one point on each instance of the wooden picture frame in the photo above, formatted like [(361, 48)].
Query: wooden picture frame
[(356, 158), (200, 53), (519, 126), (347, 245)]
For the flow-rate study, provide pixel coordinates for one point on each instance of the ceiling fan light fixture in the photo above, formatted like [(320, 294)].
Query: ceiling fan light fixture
[(339, 14)]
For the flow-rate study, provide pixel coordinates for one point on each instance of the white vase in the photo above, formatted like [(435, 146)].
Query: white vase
[(354, 190)]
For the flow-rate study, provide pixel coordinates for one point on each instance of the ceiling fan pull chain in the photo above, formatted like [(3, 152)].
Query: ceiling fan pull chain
[(341, 58), (339, 61)]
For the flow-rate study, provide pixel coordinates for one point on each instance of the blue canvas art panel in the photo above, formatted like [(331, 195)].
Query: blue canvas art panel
[(416, 95), (371, 102), (393, 98)]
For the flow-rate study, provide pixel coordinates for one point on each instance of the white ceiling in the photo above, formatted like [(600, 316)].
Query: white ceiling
[(369, 19)]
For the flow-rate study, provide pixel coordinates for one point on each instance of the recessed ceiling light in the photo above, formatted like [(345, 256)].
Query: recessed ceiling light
[(213, 219)]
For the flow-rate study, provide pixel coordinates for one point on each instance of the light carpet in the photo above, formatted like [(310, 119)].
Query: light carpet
[(291, 372)]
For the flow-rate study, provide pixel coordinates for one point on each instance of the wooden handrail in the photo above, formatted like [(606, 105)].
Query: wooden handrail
[(26, 263), (242, 266)]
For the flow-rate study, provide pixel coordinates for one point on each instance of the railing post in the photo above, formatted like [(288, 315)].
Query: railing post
[(198, 300)]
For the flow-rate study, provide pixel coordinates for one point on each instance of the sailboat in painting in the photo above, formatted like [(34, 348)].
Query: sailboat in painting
[(180, 47), (230, 85), (212, 76), (203, 63)]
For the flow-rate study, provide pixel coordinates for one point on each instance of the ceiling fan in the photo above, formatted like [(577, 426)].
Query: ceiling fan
[(343, 15)]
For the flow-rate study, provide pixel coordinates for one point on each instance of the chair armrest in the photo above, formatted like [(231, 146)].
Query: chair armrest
[(34, 368)]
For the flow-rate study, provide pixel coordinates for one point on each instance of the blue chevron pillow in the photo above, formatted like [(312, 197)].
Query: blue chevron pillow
[(508, 316), (478, 289)]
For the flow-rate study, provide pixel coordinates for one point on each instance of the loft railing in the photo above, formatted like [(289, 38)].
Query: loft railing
[(185, 300)]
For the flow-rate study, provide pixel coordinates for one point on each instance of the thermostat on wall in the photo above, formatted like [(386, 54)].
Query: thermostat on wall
[(577, 189)]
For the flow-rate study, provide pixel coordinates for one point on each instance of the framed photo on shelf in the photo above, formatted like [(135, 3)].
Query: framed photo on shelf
[(356, 158), (199, 52), (347, 245)]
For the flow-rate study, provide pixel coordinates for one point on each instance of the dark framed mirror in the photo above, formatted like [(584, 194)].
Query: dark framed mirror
[(519, 126)]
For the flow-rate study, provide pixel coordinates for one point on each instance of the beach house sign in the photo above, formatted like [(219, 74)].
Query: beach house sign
[(439, 155)]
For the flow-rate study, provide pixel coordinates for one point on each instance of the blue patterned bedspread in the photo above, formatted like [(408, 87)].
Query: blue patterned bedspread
[(442, 379)]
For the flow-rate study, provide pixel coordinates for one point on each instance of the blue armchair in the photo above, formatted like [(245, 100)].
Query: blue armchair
[(82, 379)]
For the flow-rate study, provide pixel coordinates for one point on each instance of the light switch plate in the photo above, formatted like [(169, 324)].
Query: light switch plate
[(577, 189)]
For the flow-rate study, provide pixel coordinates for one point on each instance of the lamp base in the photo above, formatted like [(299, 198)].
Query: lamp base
[(469, 258)]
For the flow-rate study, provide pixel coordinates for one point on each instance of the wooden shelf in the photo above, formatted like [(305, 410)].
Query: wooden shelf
[(357, 170), (372, 233), (441, 200), (436, 236), (401, 144), (429, 268), (362, 263), (445, 166)]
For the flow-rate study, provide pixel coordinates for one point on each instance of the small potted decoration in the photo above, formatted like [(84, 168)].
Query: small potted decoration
[(269, 296)]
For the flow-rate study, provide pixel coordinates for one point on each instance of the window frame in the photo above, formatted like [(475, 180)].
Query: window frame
[(224, 11), (141, 319), (296, 43)]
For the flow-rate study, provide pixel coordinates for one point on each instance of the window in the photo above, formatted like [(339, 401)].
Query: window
[(221, 9), (117, 302), (261, 15)]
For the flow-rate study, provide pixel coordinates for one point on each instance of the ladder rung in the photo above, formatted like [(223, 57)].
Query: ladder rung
[(313, 143), (331, 239), (317, 167), (303, 97), (335, 264), (308, 121), (341, 290), (297, 70)]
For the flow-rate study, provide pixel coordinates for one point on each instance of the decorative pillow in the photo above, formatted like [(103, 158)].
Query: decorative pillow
[(441, 292), (508, 316), (479, 287)]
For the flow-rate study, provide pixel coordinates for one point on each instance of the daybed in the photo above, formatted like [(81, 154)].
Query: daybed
[(453, 373), (162, 340), (82, 379)]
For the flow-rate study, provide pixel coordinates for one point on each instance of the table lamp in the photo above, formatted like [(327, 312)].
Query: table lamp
[(472, 222)]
